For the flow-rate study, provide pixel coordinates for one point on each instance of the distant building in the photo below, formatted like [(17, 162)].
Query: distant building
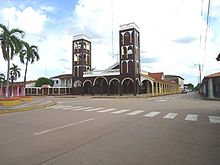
[(210, 86), (16, 89), (177, 79), (63, 80)]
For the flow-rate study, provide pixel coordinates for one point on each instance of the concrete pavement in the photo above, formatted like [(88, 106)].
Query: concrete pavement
[(85, 131)]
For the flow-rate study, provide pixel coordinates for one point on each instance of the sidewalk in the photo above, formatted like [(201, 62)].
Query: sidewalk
[(36, 103)]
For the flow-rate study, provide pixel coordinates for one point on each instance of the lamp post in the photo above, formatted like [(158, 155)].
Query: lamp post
[(218, 58), (200, 74)]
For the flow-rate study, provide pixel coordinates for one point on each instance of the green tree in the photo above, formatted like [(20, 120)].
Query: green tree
[(15, 74), (197, 87), (2, 80), (11, 44), (28, 54), (190, 86), (42, 81)]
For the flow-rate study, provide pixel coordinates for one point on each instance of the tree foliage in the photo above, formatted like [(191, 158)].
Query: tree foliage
[(2, 77), (28, 54), (15, 72), (43, 81), (190, 86), (11, 44)]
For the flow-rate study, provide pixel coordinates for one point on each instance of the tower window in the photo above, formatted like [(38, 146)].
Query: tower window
[(124, 67), (127, 38), (121, 39), (130, 51)]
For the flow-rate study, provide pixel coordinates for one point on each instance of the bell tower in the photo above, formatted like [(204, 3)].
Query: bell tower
[(81, 55), (129, 47)]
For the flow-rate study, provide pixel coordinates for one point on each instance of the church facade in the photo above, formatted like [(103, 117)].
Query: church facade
[(122, 78)]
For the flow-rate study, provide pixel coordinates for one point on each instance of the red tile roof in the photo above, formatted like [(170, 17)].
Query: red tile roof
[(156, 76), (63, 76), (213, 75)]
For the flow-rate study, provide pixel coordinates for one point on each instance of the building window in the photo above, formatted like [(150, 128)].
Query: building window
[(130, 66), (56, 82), (77, 84), (130, 52), (121, 39), (127, 38), (124, 67)]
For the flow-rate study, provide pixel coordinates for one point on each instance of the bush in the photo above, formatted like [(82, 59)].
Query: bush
[(43, 81)]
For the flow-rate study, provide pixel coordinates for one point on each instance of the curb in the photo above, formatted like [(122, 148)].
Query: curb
[(28, 108)]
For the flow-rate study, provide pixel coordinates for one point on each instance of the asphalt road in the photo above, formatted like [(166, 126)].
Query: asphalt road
[(168, 130)]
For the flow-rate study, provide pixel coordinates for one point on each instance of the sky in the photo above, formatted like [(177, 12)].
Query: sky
[(174, 35)]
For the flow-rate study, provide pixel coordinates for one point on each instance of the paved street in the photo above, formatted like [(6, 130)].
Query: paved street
[(174, 129)]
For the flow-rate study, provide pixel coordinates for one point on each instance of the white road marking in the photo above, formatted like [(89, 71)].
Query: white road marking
[(58, 106), (8, 141), (152, 114), (66, 106), (80, 109), (107, 110), (134, 113), (191, 117), (120, 111), (161, 100), (94, 109), (170, 116), (103, 99), (61, 127), (214, 119), (70, 107)]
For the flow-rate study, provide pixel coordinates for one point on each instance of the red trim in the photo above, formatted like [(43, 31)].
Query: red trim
[(10, 98)]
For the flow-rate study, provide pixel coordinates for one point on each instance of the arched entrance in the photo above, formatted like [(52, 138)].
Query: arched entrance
[(77, 87), (100, 86), (114, 86), (127, 86), (146, 87), (87, 87)]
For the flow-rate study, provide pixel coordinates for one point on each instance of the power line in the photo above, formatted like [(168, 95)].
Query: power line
[(206, 31), (112, 28)]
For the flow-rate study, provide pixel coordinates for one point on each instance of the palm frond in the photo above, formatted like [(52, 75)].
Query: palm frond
[(19, 32)]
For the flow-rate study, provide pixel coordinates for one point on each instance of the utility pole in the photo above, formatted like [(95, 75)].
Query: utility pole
[(200, 72)]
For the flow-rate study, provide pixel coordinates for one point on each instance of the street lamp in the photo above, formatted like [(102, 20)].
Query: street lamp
[(200, 74), (218, 58)]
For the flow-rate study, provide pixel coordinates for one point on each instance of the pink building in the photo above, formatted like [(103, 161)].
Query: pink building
[(18, 89)]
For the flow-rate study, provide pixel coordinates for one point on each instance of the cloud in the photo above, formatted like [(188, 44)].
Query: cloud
[(47, 8), (149, 59), (168, 29), (30, 20), (63, 60), (186, 40)]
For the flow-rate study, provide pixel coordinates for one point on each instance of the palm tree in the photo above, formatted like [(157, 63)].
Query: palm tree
[(15, 73), (28, 54), (10, 45), (2, 80)]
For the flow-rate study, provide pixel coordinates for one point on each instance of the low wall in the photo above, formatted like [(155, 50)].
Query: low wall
[(10, 101)]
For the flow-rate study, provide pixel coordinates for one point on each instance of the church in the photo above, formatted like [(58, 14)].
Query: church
[(122, 78)]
